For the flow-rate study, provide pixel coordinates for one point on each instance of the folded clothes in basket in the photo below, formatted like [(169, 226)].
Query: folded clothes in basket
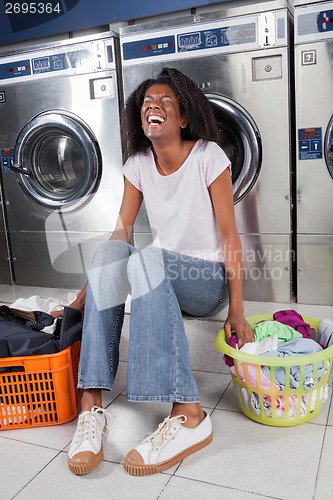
[(24, 337)]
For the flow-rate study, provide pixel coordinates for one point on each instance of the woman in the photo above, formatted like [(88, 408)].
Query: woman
[(194, 265)]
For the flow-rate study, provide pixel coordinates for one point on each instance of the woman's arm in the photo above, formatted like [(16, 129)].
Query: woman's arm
[(222, 199), (131, 202)]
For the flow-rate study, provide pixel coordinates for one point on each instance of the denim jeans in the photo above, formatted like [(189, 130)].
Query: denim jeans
[(162, 284)]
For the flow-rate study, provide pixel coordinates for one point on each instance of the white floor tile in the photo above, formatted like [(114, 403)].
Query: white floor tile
[(179, 488), (55, 436), (211, 387), (244, 455), (19, 463), (330, 414), (324, 486), (109, 482), (201, 337), (228, 401), (254, 308)]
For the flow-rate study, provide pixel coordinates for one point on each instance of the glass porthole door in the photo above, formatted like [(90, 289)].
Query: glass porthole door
[(240, 139), (328, 149), (57, 160)]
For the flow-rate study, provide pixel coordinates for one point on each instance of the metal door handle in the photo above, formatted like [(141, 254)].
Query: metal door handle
[(15, 167)]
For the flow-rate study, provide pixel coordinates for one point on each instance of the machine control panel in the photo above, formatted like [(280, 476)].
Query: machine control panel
[(218, 37), (188, 41), (21, 67), (204, 38), (185, 42), (58, 62), (314, 22), (85, 58), (147, 48), (6, 157)]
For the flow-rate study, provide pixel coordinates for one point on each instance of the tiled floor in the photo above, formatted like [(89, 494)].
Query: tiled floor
[(246, 460)]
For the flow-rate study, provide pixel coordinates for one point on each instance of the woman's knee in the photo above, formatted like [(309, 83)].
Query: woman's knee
[(109, 252), (145, 269)]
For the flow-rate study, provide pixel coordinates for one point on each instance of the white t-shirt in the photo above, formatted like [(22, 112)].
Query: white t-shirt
[(178, 205)]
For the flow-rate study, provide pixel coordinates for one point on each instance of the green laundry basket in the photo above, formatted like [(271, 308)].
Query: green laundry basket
[(265, 402)]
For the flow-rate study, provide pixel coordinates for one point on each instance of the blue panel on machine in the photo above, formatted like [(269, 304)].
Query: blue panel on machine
[(218, 37), (325, 21), (310, 144), (6, 156), (149, 47), (57, 62), (15, 69)]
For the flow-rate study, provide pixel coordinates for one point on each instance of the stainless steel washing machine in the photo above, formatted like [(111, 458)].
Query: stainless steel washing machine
[(240, 57), (60, 156), (314, 126), (5, 267)]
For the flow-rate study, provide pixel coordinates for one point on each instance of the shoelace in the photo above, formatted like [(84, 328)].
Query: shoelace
[(87, 424), (158, 437)]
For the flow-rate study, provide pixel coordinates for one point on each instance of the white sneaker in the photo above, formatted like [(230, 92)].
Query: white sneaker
[(167, 446), (86, 450)]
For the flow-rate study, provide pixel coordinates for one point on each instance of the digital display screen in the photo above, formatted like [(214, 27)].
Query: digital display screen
[(41, 64), (217, 37)]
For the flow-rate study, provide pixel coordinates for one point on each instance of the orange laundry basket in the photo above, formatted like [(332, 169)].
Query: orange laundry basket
[(38, 391)]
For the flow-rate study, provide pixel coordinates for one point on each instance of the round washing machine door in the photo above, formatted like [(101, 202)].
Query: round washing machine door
[(240, 139), (58, 160), (328, 148)]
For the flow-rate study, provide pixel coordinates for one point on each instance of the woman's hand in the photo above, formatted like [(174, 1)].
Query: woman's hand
[(58, 313), (237, 323), (78, 304)]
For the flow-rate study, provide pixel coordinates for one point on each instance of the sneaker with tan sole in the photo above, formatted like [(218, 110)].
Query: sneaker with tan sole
[(167, 446), (86, 450)]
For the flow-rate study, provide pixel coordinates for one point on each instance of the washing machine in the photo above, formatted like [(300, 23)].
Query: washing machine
[(314, 126), (5, 269), (240, 57), (60, 151)]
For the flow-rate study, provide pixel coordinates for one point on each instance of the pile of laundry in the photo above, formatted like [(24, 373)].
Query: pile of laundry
[(27, 327), (286, 335)]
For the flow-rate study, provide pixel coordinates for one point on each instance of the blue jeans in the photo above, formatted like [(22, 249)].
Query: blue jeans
[(162, 285)]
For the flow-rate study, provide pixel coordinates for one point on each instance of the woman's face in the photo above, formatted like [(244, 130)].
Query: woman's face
[(160, 113)]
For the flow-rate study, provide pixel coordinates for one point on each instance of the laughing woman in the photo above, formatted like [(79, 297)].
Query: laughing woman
[(194, 265)]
